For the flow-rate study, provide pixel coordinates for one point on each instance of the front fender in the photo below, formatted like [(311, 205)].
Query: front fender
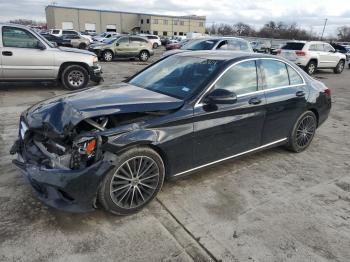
[(116, 144)]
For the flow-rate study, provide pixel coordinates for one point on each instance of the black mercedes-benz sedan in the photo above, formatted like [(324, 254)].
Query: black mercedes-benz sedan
[(116, 144)]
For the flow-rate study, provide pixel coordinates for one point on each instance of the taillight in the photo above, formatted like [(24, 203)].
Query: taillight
[(327, 92), (300, 53)]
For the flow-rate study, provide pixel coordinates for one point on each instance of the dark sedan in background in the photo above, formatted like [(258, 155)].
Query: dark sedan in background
[(116, 144)]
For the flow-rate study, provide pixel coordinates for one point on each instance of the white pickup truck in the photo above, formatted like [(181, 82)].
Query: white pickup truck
[(27, 56)]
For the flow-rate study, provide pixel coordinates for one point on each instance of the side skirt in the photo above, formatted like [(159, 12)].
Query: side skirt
[(272, 144)]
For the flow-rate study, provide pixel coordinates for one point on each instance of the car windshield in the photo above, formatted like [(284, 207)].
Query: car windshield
[(177, 76), (110, 41), (200, 45)]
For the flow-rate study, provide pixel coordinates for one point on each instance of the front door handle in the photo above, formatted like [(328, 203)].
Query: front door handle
[(6, 53), (254, 101), (300, 93)]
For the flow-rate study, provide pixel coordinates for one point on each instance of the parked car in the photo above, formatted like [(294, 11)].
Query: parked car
[(116, 144), (164, 40), (313, 55), (261, 47), (62, 32), (342, 49), (213, 43), (123, 47), (105, 36), (172, 44), (53, 39), (154, 39), (28, 56), (79, 42)]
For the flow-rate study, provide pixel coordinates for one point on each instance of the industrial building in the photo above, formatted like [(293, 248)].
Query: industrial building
[(82, 19)]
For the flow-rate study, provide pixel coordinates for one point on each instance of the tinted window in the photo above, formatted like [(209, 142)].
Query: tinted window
[(55, 32), (123, 40), (276, 74), (177, 76), (294, 77), (138, 40), (293, 46), (67, 32), (17, 37), (200, 45), (328, 48), (240, 79)]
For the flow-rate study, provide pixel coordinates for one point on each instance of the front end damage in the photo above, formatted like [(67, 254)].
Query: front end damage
[(66, 172)]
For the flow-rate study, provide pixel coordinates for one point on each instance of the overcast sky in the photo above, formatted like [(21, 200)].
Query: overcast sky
[(310, 14)]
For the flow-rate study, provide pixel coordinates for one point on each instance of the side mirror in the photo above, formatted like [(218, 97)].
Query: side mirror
[(40, 46), (54, 44), (221, 96), (116, 44)]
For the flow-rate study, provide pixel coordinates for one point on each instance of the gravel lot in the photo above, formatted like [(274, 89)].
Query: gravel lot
[(270, 206)]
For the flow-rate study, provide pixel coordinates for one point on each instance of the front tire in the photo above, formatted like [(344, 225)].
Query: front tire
[(303, 132), (107, 56), (311, 67), (144, 55), (155, 45), (74, 77), (137, 178), (82, 46), (340, 67)]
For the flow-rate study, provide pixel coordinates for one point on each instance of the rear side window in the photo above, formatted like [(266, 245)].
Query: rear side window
[(276, 74), (55, 32), (293, 46), (138, 40), (240, 79), (294, 77), (18, 37), (68, 32)]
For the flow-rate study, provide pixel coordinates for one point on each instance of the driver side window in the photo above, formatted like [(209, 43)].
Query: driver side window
[(18, 37), (240, 79), (123, 41)]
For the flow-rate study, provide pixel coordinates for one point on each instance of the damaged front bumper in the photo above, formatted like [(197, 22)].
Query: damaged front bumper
[(67, 190)]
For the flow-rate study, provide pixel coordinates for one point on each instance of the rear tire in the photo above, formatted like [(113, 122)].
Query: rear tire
[(144, 55), (340, 67), (311, 67), (82, 46), (75, 77), (303, 132), (135, 180), (107, 56)]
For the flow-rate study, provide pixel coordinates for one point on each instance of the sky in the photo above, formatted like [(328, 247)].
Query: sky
[(308, 14)]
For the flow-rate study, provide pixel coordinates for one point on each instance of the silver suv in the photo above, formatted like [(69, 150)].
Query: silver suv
[(26, 55)]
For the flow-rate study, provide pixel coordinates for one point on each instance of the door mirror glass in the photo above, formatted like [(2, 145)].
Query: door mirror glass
[(221, 96)]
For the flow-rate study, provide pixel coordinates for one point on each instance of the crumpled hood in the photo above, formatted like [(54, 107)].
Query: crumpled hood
[(75, 50), (59, 115)]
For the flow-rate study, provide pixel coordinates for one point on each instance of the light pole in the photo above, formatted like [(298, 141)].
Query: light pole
[(324, 27)]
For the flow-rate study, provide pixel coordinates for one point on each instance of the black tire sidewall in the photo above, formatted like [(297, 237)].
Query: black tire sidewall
[(337, 70), (104, 189), (292, 144), (67, 70), (155, 46), (82, 46)]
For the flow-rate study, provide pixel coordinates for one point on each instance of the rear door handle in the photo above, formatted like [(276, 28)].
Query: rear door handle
[(6, 53), (300, 93), (254, 101)]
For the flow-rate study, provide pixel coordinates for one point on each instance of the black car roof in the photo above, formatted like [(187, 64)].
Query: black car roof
[(224, 55)]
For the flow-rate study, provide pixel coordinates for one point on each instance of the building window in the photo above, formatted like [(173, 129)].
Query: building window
[(175, 22), (165, 33), (201, 24), (141, 21), (141, 31), (181, 33), (182, 23), (155, 32), (175, 33), (147, 32), (147, 21), (165, 22), (155, 21)]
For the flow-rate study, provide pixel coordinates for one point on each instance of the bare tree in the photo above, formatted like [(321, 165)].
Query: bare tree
[(344, 33)]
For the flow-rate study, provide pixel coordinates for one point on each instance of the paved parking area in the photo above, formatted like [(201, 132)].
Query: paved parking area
[(270, 206)]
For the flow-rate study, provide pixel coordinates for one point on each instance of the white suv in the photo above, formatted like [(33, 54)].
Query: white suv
[(313, 55), (154, 39)]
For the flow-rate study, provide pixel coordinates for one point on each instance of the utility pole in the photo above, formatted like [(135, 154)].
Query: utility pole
[(324, 27)]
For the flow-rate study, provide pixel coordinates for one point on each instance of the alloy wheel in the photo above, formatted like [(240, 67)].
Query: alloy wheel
[(311, 68), (144, 56), (305, 131), (76, 78), (108, 56), (134, 182)]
